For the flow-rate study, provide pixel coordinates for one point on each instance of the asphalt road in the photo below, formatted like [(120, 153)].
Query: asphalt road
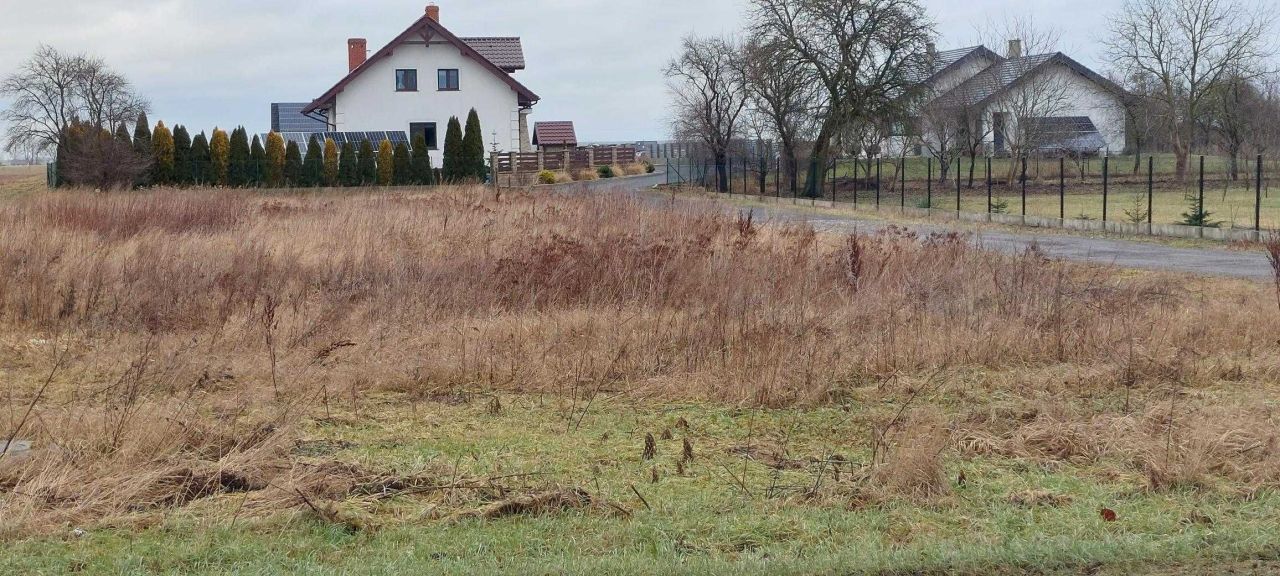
[(1121, 253)]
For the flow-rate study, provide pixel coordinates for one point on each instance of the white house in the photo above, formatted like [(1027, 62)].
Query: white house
[(1039, 104), (426, 75)]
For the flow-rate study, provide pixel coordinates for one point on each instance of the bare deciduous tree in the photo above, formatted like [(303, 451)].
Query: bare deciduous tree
[(97, 159), (863, 53), (52, 90), (710, 95), (784, 95), (1189, 47)]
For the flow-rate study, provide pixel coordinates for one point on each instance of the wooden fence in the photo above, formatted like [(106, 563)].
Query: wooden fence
[(580, 159)]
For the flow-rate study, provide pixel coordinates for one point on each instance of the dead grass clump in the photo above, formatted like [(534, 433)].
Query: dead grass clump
[(912, 466), (528, 504), (1038, 498), (633, 169), (585, 175)]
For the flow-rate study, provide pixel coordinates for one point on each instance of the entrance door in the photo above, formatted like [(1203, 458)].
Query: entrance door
[(998, 123)]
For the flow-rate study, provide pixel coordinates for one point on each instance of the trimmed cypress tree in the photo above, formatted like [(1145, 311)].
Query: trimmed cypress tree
[(239, 167), (181, 156), (142, 146), (368, 164), (313, 165), (273, 171), (451, 170), (349, 166), (473, 149), (219, 158), (386, 164), (404, 167), (257, 162), (330, 162), (162, 153), (421, 163), (201, 160), (293, 172)]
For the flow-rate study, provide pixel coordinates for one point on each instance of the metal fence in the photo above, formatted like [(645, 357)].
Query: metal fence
[(1127, 194)]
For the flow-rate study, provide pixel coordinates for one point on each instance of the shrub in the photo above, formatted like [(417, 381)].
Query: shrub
[(332, 167), (386, 164), (181, 156), (257, 162), (634, 169), (473, 165), (162, 155), (605, 172), (239, 159), (313, 165), (403, 174), (585, 175), (547, 177), (649, 168), (293, 170), (423, 175), (348, 165), (275, 160), (368, 164), (201, 160), (453, 168), (219, 157)]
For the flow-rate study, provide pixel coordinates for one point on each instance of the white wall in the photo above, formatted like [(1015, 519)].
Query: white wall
[(1082, 97), (370, 102)]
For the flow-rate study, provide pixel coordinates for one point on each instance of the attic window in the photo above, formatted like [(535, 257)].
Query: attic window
[(448, 80), (406, 80)]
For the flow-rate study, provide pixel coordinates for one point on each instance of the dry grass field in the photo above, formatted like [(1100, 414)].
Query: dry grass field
[(18, 181), (445, 381)]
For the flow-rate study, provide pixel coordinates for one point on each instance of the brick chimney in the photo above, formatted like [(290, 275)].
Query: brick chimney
[(1015, 49), (433, 12), (357, 51)]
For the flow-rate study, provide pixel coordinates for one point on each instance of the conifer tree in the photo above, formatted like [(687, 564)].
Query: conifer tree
[(273, 171), (293, 169), (421, 169), (473, 149), (313, 165), (368, 164), (386, 164), (181, 156), (349, 166), (452, 170), (162, 155), (257, 162), (219, 158), (330, 162), (404, 167), (239, 168), (142, 146), (201, 161)]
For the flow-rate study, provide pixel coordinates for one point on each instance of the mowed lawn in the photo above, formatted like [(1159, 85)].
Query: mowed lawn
[(450, 381)]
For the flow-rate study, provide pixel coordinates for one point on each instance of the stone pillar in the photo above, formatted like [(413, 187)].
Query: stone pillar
[(526, 145)]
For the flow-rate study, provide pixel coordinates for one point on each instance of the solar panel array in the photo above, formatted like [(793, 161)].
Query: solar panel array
[(303, 139), (288, 117)]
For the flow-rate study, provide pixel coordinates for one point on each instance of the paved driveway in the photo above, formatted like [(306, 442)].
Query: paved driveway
[(1126, 254)]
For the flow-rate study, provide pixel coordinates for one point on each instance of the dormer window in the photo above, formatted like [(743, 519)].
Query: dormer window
[(449, 80), (406, 80)]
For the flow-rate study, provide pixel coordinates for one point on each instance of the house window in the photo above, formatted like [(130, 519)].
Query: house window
[(406, 80), (448, 80), (427, 130)]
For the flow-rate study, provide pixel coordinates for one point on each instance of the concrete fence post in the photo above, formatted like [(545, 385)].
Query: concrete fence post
[(591, 158)]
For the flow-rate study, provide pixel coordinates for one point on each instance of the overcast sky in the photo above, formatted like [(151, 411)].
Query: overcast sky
[(204, 63)]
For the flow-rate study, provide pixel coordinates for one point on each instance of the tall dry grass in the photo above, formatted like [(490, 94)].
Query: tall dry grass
[(186, 333)]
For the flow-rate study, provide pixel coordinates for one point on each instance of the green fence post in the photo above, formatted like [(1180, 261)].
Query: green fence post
[(1257, 200), (1106, 186), (1062, 188)]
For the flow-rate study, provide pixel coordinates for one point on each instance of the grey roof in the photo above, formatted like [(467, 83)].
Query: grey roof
[(1075, 134), (995, 79), (947, 58), (505, 52)]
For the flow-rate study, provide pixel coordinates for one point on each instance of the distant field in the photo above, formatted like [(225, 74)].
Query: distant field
[(451, 381), (21, 180)]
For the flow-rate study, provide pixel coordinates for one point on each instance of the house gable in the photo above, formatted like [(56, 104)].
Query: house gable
[(428, 31)]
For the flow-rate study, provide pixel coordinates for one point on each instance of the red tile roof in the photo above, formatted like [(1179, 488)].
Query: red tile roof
[(505, 53), (426, 29), (554, 134)]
